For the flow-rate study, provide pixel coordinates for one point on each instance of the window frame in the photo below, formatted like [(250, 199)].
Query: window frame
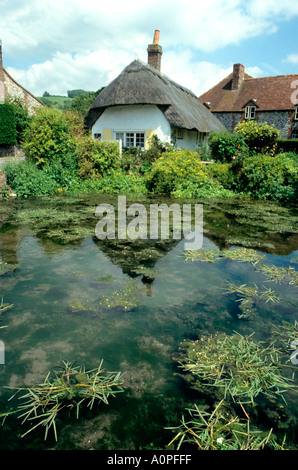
[(294, 131), (250, 112), (131, 138), (296, 113)]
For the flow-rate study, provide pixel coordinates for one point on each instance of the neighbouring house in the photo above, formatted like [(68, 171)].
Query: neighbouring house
[(241, 97), (142, 102), (10, 89)]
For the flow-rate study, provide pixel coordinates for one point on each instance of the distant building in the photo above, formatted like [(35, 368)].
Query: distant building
[(9, 88), (241, 97), (142, 102)]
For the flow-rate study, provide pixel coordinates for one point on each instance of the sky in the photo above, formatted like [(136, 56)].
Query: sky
[(60, 45)]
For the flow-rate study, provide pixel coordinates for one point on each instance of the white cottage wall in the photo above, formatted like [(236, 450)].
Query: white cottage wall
[(133, 118)]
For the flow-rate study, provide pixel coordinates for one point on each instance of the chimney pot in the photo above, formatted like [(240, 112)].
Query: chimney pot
[(156, 37)]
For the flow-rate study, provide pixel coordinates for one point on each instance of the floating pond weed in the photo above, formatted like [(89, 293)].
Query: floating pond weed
[(65, 388), (237, 367)]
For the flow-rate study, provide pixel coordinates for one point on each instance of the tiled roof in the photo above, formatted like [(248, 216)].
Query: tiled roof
[(270, 94)]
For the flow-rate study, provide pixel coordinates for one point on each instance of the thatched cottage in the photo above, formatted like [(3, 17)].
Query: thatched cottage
[(142, 102)]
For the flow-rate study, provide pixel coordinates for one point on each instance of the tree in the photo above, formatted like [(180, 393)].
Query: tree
[(46, 94), (259, 136)]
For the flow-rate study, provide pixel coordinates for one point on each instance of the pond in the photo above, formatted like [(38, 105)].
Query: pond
[(131, 303)]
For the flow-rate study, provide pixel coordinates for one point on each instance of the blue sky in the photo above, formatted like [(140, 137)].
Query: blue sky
[(57, 45)]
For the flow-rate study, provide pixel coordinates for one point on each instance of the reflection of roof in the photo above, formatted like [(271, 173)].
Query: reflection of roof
[(270, 94), (139, 83)]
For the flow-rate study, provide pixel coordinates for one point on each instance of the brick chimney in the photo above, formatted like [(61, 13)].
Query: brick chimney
[(2, 88), (238, 76), (155, 52)]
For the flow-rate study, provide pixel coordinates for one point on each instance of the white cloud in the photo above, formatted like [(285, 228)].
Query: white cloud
[(58, 45), (292, 58)]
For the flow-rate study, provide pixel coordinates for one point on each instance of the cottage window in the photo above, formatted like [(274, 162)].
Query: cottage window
[(296, 113), (131, 139), (294, 134), (250, 112), (97, 136), (179, 133)]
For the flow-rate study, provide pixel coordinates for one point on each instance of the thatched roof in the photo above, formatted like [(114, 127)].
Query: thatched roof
[(139, 83)]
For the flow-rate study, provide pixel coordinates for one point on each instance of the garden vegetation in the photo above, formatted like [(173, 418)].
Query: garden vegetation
[(62, 157)]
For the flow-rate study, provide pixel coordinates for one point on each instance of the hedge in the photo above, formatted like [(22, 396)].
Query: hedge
[(8, 128), (287, 145)]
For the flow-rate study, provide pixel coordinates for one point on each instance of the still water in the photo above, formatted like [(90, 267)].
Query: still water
[(130, 303)]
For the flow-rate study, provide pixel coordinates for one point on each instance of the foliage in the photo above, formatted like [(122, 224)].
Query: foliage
[(26, 179), (226, 147), (116, 182), (49, 136), (8, 125), (222, 173), (82, 101), (69, 388), (259, 136), (173, 168), (205, 188), (235, 365), (220, 429), (267, 177), (95, 158), (21, 116)]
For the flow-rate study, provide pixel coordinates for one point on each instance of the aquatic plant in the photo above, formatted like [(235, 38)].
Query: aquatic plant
[(69, 388), (243, 255), (3, 306), (210, 256), (221, 430), (279, 274), (240, 369), (126, 297)]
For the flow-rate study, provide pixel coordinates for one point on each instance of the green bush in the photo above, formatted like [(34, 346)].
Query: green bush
[(8, 126), (206, 188), (173, 168), (50, 136), (259, 136), (223, 173), (226, 147), (267, 177), (95, 158), (27, 180)]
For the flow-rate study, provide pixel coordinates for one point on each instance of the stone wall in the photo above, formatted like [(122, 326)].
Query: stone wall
[(14, 90), (282, 120), (11, 151)]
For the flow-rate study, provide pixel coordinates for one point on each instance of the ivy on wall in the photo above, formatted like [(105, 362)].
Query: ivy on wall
[(8, 131)]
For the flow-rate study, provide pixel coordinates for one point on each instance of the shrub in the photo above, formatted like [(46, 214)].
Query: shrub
[(206, 188), (226, 147), (173, 168), (259, 136), (26, 179), (267, 177), (96, 158), (223, 173), (8, 129), (50, 136)]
